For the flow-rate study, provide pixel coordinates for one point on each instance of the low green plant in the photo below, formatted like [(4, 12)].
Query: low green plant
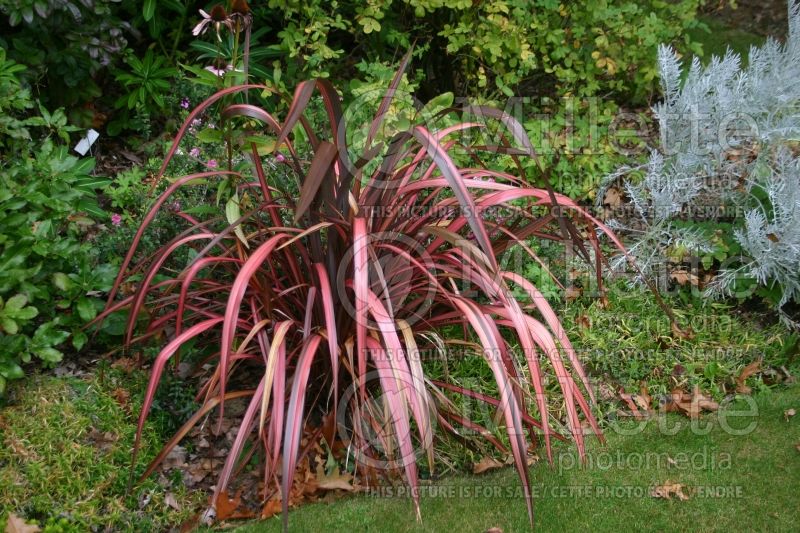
[(64, 448), (627, 342), (50, 275)]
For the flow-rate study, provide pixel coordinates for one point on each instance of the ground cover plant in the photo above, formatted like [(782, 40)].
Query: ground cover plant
[(65, 455)]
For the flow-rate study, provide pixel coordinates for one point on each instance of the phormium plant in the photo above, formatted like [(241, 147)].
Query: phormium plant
[(317, 295)]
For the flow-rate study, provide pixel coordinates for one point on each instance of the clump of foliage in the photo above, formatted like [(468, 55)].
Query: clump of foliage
[(502, 45), (64, 43), (317, 288), (50, 274), (728, 147), (634, 345)]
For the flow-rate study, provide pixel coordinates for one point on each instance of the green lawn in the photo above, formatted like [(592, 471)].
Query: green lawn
[(734, 483)]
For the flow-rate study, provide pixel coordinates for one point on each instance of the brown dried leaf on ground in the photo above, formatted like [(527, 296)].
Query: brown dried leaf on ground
[(123, 398), (190, 524), (171, 501), (103, 441), (639, 404), (16, 524), (231, 508), (175, 459), (485, 464), (572, 293), (644, 399), (334, 480), (678, 332), (683, 277), (691, 405), (749, 370), (667, 490), (271, 508), (531, 459), (613, 197), (126, 364)]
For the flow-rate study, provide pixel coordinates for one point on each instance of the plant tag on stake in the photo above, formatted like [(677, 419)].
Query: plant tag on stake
[(84, 144)]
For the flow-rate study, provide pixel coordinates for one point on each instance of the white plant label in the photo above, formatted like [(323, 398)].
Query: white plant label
[(84, 144)]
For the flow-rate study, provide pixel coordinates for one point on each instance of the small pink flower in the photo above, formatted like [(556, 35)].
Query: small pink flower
[(185, 103), (175, 206), (219, 71), (279, 158), (212, 163), (194, 152), (116, 219)]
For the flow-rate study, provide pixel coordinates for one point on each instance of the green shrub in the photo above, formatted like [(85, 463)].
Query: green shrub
[(50, 279), (65, 43), (498, 47), (50, 275)]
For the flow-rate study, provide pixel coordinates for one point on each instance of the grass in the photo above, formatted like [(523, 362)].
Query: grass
[(65, 447), (743, 482)]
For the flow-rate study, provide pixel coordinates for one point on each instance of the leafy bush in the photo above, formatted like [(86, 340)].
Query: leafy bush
[(728, 146), (513, 46), (65, 43), (50, 274), (316, 292)]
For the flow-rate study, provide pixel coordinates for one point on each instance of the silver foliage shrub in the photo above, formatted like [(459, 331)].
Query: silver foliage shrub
[(730, 136)]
